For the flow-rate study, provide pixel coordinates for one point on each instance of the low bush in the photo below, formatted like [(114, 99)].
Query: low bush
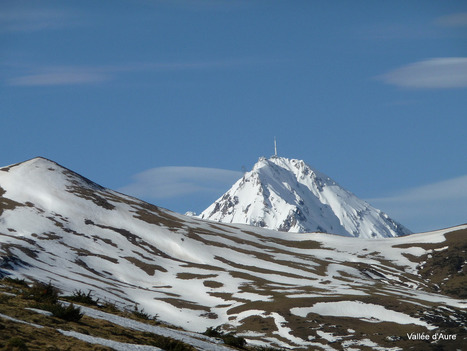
[(168, 344), (235, 341), (108, 306), (81, 297), (142, 315), (43, 293), (69, 313), (214, 332), (46, 298), (229, 338)]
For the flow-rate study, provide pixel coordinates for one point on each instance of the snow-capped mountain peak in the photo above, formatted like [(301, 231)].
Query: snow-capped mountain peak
[(288, 195)]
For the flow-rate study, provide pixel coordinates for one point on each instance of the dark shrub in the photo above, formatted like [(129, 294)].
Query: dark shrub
[(81, 297), (41, 292), (235, 341), (141, 314), (214, 332), (69, 313), (228, 338), (109, 307), (168, 344)]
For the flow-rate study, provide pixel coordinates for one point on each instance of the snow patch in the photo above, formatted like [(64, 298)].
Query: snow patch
[(356, 309)]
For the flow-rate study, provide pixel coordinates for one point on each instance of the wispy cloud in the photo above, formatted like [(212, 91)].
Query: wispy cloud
[(453, 20), (60, 76), (436, 73), (171, 182), (73, 75), (429, 207)]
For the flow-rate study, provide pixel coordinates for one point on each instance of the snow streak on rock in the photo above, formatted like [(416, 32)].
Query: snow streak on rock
[(288, 195)]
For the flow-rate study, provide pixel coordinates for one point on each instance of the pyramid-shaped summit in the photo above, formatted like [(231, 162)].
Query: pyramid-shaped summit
[(288, 195)]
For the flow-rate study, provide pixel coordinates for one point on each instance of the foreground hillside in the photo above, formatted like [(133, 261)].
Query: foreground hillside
[(287, 290), (29, 320)]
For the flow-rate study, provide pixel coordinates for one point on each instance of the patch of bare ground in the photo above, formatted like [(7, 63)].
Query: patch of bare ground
[(206, 267), (133, 239), (287, 245), (84, 265), (445, 269), (217, 227), (97, 238), (260, 324), (148, 268), (6, 203), (187, 276), (255, 269), (47, 236), (92, 195), (10, 248), (7, 168), (179, 303), (386, 274), (154, 215), (302, 244), (213, 284)]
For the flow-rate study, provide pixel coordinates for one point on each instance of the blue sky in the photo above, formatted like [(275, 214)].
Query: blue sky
[(172, 99)]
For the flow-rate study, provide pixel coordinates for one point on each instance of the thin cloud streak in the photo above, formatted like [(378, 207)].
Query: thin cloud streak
[(436, 73), (429, 207), (58, 78), (172, 182), (73, 75)]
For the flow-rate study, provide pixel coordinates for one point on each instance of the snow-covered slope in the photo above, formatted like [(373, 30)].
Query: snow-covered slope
[(289, 290), (288, 195)]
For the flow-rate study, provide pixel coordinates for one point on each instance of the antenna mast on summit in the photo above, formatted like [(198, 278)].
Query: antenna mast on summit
[(275, 147)]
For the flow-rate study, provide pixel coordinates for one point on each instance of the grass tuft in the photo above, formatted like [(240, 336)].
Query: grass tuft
[(140, 314), (16, 281)]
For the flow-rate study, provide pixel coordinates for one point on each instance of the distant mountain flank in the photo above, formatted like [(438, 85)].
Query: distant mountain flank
[(288, 195)]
